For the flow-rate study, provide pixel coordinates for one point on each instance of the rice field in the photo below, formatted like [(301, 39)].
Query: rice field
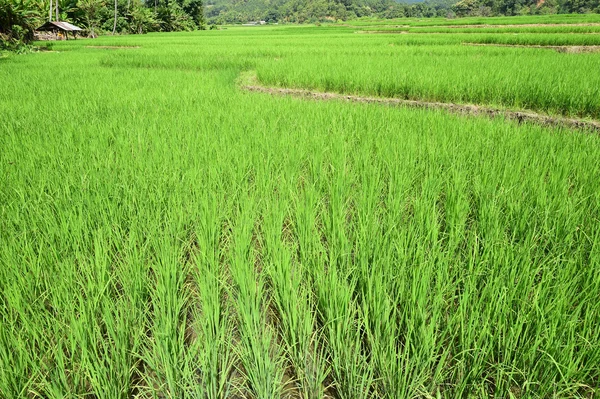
[(166, 234), (555, 19)]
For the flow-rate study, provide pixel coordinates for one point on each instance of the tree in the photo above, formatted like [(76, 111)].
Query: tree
[(142, 18), (18, 20), (195, 9), (91, 10), (465, 7), (272, 16), (115, 24)]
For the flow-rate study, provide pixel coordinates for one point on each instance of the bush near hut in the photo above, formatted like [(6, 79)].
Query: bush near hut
[(18, 20)]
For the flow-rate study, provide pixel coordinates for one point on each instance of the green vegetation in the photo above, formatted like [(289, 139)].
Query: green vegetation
[(487, 8), (435, 68), (227, 11), (20, 18), (165, 234), (562, 19), (507, 30), (17, 22), (544, 39)]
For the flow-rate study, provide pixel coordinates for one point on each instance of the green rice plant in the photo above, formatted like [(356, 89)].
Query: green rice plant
[(505, 77), (510, 29), (214, 359), (563, 19), (165, 349), (513, 20), (110, 361), (540, 39), (164, 233), (294, 302), (259, 353)]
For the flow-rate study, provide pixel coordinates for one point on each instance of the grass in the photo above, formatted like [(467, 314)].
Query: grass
[(165, 234)]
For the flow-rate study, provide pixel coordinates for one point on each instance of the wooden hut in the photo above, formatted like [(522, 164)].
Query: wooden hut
[(56, 30)]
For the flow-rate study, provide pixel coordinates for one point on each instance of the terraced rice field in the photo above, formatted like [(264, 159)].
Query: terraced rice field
[(165, 233)]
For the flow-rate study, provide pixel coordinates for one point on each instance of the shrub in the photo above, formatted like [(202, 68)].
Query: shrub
[(18, 20)]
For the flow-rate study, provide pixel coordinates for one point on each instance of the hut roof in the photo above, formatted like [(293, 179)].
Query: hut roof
[(53, 25)]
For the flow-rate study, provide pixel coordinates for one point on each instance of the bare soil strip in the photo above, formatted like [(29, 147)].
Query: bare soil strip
[(461, 109), (374, 32), (113, 47), (560, 49)]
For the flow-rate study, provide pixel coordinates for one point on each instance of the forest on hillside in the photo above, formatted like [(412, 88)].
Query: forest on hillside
[(312, 11)]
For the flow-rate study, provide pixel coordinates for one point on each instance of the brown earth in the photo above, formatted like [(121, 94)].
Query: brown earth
[(113, 47), (383, 31), (461, 109)]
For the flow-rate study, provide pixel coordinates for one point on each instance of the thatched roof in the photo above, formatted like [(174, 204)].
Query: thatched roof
[(55, 25)]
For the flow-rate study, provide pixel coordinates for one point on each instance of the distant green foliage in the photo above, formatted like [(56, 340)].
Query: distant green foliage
[(521, 7), (235, 11), (18, 19), (137, 16), (142, 19)]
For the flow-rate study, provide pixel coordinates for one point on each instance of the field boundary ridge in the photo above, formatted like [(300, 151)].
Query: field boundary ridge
[(248, 81)]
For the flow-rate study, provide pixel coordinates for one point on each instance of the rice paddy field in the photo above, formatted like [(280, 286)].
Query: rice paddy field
[(165, 233)]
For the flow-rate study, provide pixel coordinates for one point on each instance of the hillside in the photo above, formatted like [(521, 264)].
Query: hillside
[(312, 11), (302, 11), (240, 11)]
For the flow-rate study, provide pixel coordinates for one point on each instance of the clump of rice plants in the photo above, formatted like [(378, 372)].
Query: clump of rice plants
[(440, 68)]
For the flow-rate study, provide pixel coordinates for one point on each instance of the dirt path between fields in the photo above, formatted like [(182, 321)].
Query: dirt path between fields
[(250, 84), (391, 32), (113, 47), (560, 49)]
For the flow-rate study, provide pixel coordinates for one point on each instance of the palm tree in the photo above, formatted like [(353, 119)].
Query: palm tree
[(91, 10), (115, 25)]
